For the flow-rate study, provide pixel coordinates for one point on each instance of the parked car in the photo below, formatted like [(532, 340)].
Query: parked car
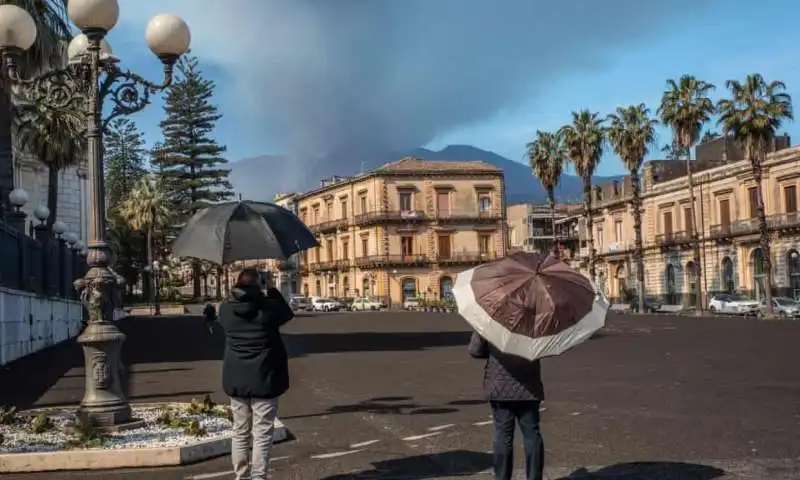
[(300, 303), (733, 304), (651, 305), (783, 307), (319, 304), (412, 303), (343, 303), (366, 303)]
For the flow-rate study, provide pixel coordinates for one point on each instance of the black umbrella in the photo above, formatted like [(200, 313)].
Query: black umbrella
[(228, 232)]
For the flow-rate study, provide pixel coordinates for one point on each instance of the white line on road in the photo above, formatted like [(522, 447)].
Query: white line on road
[(480, 424), (441, 427), (206, 476), (364, 444), (420, 437), (336, 454)]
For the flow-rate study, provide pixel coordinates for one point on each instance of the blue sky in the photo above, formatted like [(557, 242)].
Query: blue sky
[(718, 41)]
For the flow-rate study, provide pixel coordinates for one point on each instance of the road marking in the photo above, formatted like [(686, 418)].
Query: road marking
[(336, 454), (364, 444), (420, 437), (441, 427), (206, 476), (480, 424)]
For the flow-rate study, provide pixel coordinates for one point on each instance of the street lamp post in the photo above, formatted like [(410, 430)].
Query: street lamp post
[(92, 76)]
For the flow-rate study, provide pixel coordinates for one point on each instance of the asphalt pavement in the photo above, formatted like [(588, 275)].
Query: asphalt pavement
[(394, 395)]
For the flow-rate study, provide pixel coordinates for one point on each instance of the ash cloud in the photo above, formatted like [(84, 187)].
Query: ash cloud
[(321, 77)]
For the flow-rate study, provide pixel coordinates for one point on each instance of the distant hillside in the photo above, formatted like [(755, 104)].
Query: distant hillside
[(259, 178)]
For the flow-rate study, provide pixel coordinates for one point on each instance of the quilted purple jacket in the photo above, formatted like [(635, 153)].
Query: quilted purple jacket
[(507, 377)]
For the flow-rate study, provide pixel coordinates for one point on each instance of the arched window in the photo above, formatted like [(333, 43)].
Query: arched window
[(409, 288), (669, 280), (365, 287), (446, 288), (793, 270), (727, 275), (345, 286), (757, 262), (691, 282), (318, 289)]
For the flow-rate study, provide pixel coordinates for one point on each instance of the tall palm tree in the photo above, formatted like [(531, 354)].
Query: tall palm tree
[(52, 36), (584, 140), (547, 156), (752, 115), (146, 211), (685, 107), (55, 137), (631, 133)]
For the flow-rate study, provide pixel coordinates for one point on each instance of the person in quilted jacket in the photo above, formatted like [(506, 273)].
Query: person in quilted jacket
[(513, 386)]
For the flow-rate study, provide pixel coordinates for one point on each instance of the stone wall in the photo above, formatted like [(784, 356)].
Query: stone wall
[(29, 323)]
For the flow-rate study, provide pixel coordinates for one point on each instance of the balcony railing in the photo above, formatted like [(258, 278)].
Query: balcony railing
[(374, 261), (285, 265), (466, 258), (620, 247), (328, 226), (383, 216), (469, 215), (744, 227), (784, 221), (673, 238), (722, 230)]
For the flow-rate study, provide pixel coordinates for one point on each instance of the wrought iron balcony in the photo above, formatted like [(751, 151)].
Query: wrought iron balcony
[(720, 231), (466, 258), (390, 216), (784, 221), (377, 261), (673, 238), (470, 215), (329, 226), (744, 227)]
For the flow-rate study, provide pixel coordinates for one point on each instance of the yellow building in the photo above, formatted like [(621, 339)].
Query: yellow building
[(403, 230), (725, 216)]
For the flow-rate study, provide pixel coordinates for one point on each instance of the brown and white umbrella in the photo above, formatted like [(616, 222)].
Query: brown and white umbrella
[(530, 305)]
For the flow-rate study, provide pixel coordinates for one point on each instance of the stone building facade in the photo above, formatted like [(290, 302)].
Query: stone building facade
[(403, 230)]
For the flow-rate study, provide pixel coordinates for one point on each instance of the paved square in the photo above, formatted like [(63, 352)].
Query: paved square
[(395, 395)]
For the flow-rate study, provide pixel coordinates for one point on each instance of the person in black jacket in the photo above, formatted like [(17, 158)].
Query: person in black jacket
[(513, 386), (255, 369)]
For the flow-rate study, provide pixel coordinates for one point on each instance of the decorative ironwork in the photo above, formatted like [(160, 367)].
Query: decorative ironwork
[(128, 92)]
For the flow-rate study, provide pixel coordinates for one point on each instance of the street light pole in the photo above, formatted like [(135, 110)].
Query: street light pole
[(91, 77)]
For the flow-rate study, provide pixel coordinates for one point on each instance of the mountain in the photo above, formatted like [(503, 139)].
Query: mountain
[(259, 178)]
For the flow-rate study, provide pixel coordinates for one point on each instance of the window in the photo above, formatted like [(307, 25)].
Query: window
[(725, 213), (344, 209), (329, 249), (315, 215), (444, 246), (443, 202), (485, 244), (599, 239), (405, 202), (304, 257), (485, 204), (362, 200), (618, 230), (667, 224), (329, 210), (304, 215), (345, 249), (316, 255), (687, 220), (790, 198), (407, 246), (364, 246), (752, 194)]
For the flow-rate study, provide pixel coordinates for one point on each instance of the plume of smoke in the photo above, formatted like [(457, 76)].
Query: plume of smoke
[(355, 77)]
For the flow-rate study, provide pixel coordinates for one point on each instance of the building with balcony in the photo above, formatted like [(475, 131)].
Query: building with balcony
[(405, 229), (530, 226), (725, 219)]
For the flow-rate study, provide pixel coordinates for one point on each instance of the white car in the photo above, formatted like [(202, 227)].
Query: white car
[(733, 304), (412, 303), (783, 307), (365, 304), (324, 304)]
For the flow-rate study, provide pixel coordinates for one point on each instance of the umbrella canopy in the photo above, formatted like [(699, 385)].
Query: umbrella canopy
[(530, 305), (233, 231)]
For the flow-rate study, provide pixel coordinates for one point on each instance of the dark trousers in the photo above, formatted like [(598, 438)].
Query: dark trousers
[(507, 415)]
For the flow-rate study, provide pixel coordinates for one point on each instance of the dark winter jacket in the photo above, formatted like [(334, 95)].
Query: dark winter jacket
[(507, 377), (255, 364)]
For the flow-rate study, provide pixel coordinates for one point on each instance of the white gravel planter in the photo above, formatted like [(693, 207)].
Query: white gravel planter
[(177, 438)]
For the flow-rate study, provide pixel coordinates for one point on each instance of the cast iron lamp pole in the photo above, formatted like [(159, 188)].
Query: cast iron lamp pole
[(91, 77)]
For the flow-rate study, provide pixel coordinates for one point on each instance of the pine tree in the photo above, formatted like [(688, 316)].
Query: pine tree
[(190, 161), (123, 149)]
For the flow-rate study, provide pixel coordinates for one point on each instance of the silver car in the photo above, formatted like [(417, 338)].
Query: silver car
[(783, 307)]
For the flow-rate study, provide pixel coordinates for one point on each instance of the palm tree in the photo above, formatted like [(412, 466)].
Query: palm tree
[(584, 140), (754, 112), (631, 134), (55, 137), (547, 156), (52, 36), (685, 107), (146, 211)]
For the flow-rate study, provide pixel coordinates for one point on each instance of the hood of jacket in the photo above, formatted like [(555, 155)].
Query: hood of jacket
[(246, 301)]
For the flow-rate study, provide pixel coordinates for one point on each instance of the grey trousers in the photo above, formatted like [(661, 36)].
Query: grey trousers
[(253, 427)]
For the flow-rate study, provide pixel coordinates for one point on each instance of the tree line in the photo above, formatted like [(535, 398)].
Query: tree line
[(751, 115)]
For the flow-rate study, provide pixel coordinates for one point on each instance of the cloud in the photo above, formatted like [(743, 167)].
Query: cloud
[(364, 76)]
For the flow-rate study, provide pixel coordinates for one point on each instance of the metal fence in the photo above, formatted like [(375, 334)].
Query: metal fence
[(35, 260)]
